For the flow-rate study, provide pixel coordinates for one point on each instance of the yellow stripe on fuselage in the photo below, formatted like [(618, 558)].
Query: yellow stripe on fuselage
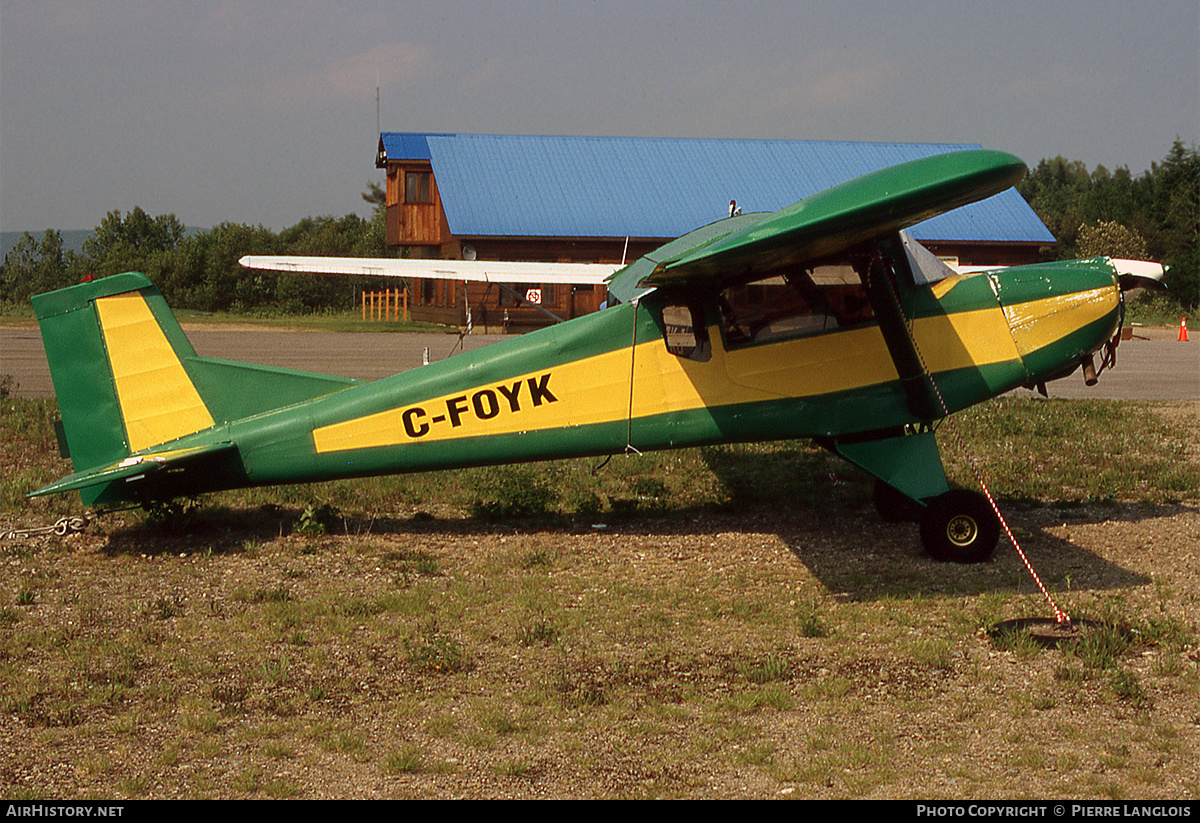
[(596, 389), (578, 393), (157, 399), (1040, 323)]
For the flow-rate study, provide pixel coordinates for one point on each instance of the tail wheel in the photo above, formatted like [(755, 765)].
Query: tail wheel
[(961, 527)]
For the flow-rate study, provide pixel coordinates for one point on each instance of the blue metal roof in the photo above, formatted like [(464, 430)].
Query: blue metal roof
[(405, 145), (538, 186)]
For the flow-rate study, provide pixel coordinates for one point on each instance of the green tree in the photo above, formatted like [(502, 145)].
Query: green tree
[(202, 272), (130, 242), (348, 236), (1160, 206), (1175, 212), (1055, 189), (375, 195), (1109, 238), (34, 266)]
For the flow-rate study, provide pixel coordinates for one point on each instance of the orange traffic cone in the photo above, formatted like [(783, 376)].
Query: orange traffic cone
[(1183, 330)]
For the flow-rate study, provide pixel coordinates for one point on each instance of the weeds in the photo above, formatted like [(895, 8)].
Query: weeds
[(1019, 643), (767, 669), (407, 760), (278, 594), (514, 492), (1128, 687), (516, 768), (1108, 459), (414, 562), (537, 560), (579, 682), (434, 651), (540, 632), (315, 520), (166, 608), (1102, 648), (809, 619), (173, 516)]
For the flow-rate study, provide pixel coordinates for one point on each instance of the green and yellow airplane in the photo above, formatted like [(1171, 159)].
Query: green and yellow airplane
[(823, 321)]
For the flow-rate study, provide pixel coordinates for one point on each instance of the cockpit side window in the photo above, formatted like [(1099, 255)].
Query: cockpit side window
[(816, 300), (685, 333)]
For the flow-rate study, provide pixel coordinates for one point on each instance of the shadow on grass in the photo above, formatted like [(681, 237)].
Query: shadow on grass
[(843, 543), (209, 530)]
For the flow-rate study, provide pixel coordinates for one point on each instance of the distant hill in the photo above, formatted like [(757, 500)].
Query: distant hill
[(72, 239)]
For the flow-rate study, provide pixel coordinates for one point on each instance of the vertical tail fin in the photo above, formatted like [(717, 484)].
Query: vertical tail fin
[(116, 358)]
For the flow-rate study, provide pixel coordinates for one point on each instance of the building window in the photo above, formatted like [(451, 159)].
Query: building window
[(417, 187)]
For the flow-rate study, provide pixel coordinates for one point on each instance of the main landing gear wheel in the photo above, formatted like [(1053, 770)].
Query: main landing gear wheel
[(960, 526)]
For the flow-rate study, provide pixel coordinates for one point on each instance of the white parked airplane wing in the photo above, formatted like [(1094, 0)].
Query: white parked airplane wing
[(485, 271)]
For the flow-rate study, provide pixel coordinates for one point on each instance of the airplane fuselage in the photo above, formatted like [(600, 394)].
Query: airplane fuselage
[(609, 382)]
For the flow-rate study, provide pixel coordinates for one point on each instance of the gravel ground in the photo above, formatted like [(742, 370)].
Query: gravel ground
[(160, 666)]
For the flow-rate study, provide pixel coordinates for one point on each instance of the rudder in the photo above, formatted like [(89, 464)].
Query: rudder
[(116, 358)]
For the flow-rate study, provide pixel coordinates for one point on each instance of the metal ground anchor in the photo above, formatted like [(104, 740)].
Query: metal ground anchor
[(70, 524)]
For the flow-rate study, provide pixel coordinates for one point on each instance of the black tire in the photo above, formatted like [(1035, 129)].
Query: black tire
[(894, 507), (960, 527)]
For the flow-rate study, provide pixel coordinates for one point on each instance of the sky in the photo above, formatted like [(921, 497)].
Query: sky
[(265, 112)]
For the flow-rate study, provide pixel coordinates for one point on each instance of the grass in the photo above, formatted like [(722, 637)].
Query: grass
[(676, 625), (1156, 310), (1118, 451)]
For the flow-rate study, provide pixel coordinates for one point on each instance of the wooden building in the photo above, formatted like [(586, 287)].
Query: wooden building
[(614, 199)]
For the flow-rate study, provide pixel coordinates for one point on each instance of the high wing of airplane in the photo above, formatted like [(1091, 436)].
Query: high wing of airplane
[(821, 321), (484, 271)]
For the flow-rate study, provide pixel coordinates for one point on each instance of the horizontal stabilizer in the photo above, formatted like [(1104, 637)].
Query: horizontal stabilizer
[(482, 271), (138, 467)]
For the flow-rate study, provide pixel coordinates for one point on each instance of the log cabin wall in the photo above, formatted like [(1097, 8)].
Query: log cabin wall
[(414, 213), (416, 223), (497, 308), (977, 254)]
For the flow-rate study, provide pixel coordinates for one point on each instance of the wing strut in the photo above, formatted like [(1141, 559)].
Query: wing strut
[(883, 292)]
